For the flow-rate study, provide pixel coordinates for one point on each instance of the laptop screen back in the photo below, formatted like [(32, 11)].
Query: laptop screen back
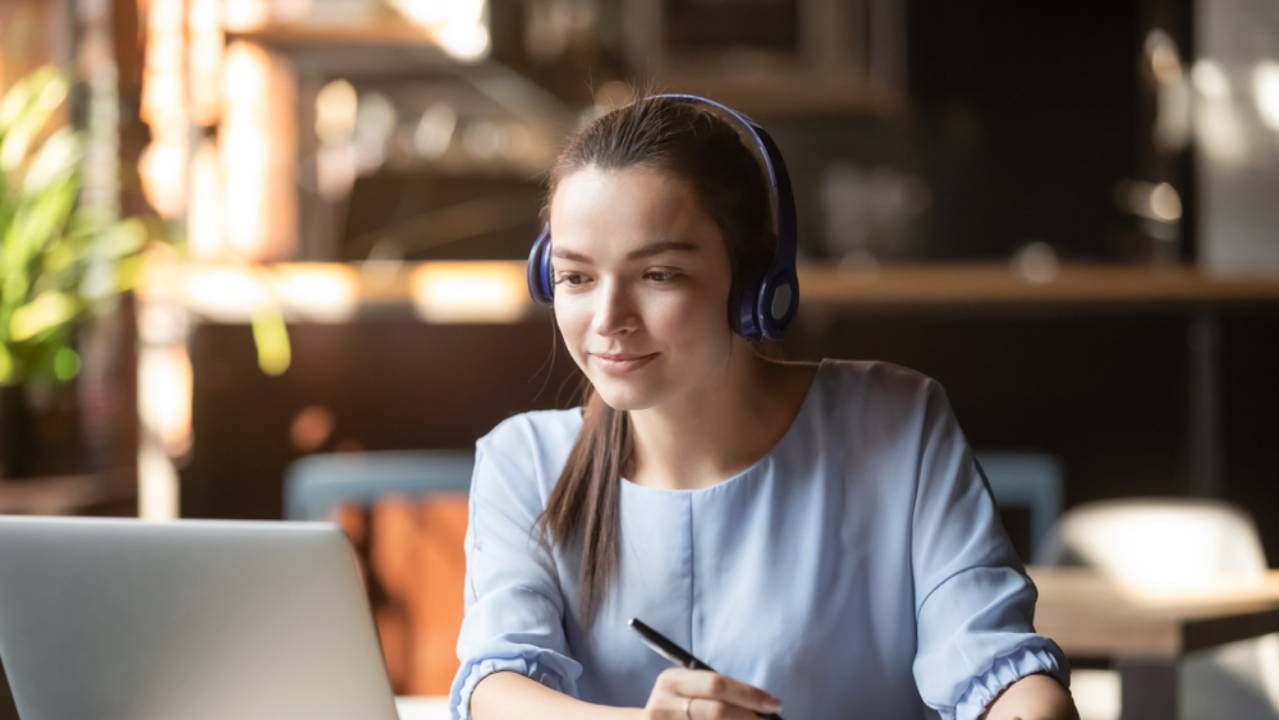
[(111, 618)]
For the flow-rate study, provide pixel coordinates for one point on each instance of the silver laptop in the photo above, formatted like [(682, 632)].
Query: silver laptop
[(123, 619)]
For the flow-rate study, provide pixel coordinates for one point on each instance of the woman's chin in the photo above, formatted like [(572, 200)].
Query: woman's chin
[(623, 398)]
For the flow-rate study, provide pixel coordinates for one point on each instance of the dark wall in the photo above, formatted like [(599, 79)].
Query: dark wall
[(387, 384), (1029, 115), (1250, 361)]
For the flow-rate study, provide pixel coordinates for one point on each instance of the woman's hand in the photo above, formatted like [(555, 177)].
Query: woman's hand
[(681, 694), (1034, 697)]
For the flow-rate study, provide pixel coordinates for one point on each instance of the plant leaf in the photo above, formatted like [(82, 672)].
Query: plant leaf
[(48, 311), (47, 93), (40, 222), (109, 270), (57, 157), (271, 336)]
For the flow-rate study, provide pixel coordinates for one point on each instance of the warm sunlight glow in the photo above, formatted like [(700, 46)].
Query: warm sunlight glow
[(467, 42), (204, 29), (1162, 51), (458, 25), (335, 107), (326, 293), (228, 294), (1209, 79), (257, 142), (1265, 91), (246, 14), (158, 485), (204, 213), (470, 292), (162, 169), (164, 396), (162, 164)]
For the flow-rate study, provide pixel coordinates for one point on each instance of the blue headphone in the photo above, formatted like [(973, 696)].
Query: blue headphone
[(768, 303)]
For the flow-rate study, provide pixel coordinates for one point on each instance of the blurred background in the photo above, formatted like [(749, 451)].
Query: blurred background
[(239, 233)]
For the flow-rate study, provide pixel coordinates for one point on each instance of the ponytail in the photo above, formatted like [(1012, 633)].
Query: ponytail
[(583, 509)]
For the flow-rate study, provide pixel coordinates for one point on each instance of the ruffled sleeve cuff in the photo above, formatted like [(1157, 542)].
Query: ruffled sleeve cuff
[(1043, 656), (549, 668)]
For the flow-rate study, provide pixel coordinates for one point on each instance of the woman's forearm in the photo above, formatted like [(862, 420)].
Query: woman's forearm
[(507, 695), (510, 695), (1033, 697)]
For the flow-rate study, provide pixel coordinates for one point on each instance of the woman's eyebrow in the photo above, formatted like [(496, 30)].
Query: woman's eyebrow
[(662, 246), (649, 250), (560, 252)]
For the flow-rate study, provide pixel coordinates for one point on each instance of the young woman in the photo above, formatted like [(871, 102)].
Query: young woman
[(818, 533)]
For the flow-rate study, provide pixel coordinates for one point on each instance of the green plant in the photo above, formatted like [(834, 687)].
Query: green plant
[(61, 261)]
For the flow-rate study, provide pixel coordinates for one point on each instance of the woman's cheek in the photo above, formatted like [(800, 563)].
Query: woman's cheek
[(671, 318), (693, 313), (573, 323)]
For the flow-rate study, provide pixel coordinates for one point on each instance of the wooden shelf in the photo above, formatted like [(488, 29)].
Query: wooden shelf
[(391, 289), (998, 283), (382, 32)]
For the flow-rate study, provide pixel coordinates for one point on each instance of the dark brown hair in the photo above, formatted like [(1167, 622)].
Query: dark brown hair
[(688, 140)]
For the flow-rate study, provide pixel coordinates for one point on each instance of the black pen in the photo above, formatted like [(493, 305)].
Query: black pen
[(663, 646)]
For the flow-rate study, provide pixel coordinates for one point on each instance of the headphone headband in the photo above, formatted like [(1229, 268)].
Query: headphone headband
[(768, 303), (775, 167)]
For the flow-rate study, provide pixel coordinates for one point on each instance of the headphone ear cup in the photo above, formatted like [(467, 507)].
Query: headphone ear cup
[(541, 285), (778, 303), (746, 315)]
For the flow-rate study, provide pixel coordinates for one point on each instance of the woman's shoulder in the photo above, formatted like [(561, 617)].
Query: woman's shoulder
[(874, 415), (528, 450), (877, 380), (534, 430), (881, 398)]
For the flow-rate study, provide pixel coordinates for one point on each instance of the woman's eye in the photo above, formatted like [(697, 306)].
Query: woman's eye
[(662, 276), (570, 279)]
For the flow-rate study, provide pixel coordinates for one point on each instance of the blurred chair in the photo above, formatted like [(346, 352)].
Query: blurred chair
[(406, 515), (1029, 481), (1170, 544), (315, 485)]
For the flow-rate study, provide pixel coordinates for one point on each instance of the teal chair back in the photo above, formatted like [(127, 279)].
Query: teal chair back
[(1027, 481), (315, 485)]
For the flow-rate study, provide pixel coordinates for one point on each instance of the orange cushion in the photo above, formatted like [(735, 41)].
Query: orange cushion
[(415, 568)]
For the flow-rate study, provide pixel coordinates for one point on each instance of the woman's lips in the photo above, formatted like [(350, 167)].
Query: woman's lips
[(621, 364)]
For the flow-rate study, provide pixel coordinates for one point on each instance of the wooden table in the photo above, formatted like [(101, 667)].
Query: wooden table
[(1146, 633), (422, 707)]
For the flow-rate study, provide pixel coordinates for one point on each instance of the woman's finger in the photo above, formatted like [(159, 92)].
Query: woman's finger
[(713, 686), (700, 708)]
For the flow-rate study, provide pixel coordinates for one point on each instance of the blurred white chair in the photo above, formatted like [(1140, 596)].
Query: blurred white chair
[(1169, 544)]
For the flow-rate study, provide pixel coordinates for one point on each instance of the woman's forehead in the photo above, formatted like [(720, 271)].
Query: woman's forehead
[(595, 209)]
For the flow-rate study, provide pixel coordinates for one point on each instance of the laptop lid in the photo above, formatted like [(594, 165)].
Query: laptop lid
[(117, 618)]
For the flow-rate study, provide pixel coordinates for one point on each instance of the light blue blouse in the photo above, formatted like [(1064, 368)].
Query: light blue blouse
[(858, 569)]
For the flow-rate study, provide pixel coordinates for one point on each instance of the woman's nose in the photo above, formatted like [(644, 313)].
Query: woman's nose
[(615, 312)]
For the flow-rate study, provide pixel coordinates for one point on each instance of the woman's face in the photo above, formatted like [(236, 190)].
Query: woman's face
[(641, 284)]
